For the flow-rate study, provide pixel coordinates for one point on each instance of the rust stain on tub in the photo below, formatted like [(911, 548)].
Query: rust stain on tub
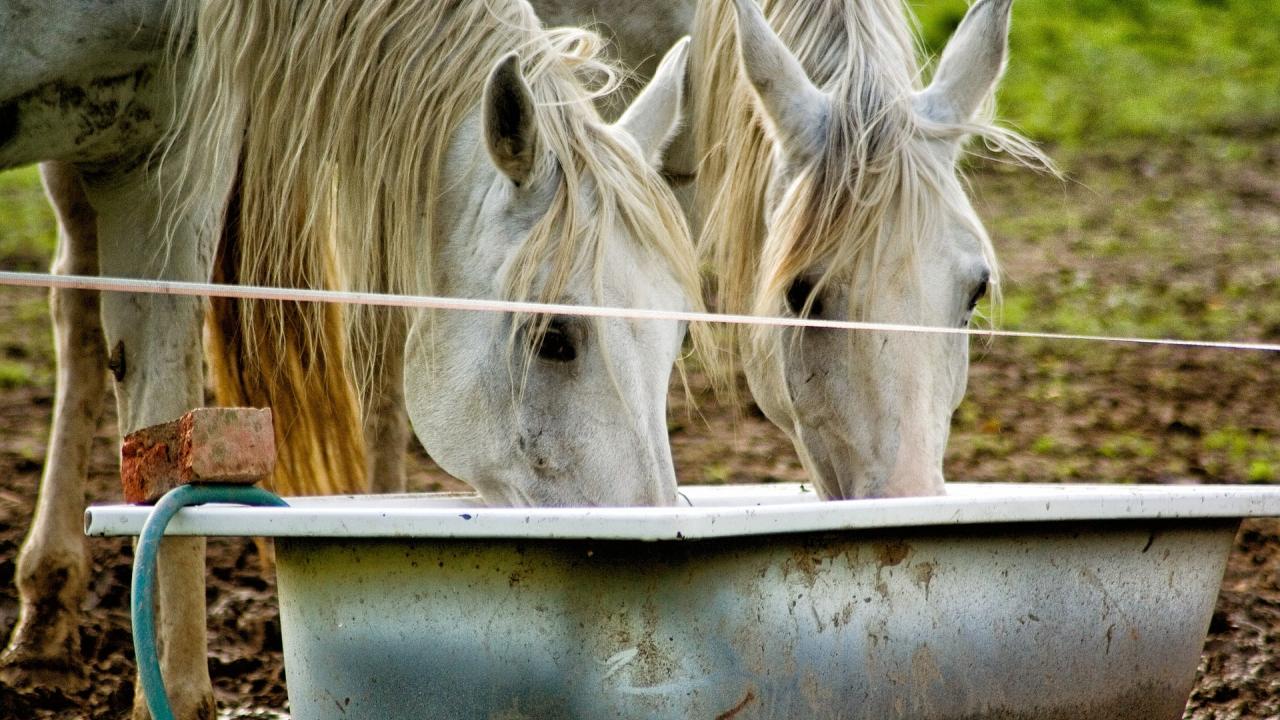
[(803, 561), (891, 554), (888, 555), (733, 711), (924, 670), (924, 575)]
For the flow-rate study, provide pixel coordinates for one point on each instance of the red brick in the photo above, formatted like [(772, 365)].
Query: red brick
[(224, 445)]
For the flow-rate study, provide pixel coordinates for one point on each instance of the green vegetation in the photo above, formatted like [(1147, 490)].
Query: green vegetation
[(1173, 240), (28, 234), (28, 238), (13, 375), (1090, 70), (1256, 451), (716, 474)]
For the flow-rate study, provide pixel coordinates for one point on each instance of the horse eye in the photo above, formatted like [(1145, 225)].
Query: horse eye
[(978, 294), (798, 294), (556, 345)]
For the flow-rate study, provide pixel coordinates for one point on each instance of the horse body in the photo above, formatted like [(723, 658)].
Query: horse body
[(828, 188)]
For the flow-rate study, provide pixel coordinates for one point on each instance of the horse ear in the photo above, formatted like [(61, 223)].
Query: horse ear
[(654, 116), (795, 109), (510, 126), (971, 64)]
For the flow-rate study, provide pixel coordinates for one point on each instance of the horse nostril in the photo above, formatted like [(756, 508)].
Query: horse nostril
[(116, 363), (8, 123)]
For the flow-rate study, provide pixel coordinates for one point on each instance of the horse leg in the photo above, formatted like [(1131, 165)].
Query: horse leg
[(53, 564), (154, 346), (386, 426)]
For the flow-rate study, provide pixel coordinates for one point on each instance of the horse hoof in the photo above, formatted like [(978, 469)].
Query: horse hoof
[(23, 670), (199, 707)]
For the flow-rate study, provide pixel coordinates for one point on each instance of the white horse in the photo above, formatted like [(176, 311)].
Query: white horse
[(78, 86), (544, 201), (827, 187)]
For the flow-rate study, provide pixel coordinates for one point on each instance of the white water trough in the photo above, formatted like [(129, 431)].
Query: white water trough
[(995, 602)]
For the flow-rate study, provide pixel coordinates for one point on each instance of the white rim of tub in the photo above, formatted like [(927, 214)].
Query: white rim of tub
[(706, 512)]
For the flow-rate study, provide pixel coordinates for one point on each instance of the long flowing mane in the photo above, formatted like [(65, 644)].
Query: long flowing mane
[(336, 116), (873, 187)]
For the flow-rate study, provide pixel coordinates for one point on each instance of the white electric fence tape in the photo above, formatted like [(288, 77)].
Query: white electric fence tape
[(249, 292)]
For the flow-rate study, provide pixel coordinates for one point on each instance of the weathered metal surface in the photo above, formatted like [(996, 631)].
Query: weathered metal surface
[(1080, 621), (724, 511), (995, 602)]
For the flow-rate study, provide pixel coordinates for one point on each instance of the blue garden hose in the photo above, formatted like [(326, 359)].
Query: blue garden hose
[(144, 576)]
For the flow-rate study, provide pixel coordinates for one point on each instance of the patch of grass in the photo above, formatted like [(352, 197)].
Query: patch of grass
[(1263, 471), (1237, 453), (716, 473), (1086, 70), (1067, 470), (966, 416), (15, 375), (28, 232), (1127, 447), (1149, 241), (1045, 445), (1234, 442), (990, 446), (1015, 309)]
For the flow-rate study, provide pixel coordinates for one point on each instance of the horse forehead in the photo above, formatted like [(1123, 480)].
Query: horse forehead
[(960, 229), (639, 276)]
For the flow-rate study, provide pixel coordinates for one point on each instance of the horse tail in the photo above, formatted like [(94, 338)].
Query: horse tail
[(292, 358)]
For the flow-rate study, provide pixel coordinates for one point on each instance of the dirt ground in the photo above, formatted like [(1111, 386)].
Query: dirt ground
[(1239, 676), (1156, 242)]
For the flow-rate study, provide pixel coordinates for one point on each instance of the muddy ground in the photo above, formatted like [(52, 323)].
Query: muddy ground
[(1239, 675), (1181, 240)]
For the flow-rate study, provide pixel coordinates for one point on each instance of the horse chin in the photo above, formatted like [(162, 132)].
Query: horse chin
[(537, 490), (891, 484), (838, 472)]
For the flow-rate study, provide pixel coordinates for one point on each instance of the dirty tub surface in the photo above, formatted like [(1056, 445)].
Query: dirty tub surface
[(995, 601)]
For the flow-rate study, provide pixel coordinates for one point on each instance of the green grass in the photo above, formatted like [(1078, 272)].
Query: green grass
[(1144, 239), (28, 235), (28, 239), (1264, 471), (1256, 451), (1087, 70), (14, 375), (716, 474)]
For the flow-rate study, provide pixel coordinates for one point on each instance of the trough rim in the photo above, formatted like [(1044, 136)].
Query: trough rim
[(710, 512)]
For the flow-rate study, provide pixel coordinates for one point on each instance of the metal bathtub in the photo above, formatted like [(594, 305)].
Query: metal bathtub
[(996, 602)]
